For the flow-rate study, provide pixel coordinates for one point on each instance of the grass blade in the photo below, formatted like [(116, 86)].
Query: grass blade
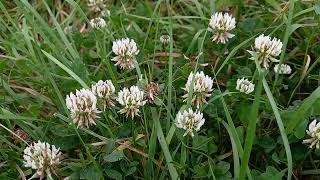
[(278, 118), (172, 170), (65, 68), (251, 130)]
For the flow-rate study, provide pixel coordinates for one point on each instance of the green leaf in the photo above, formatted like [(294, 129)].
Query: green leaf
[(317, 8), (164, 146), (89, 173), (66, 143), (278, 118), (221, 168), (301, 129), (65, 68), (114, 156), (113, 174)]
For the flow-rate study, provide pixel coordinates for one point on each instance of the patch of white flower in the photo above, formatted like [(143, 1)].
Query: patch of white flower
[(282, 69), (97, 23), (267, 50), (83, 107), (105, 13), (104, 91), (96, 5), (131, 99), (126, 50), (189, 121), (165, 39), (202, 88), (42, 157), (220, 25), (314, 133), (245, 86)]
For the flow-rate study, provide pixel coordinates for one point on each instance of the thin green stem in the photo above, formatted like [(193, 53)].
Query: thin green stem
[(278, 118), (285, 39), (251, 130)]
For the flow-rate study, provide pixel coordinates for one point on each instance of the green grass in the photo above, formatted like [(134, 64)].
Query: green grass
[(245, 136)]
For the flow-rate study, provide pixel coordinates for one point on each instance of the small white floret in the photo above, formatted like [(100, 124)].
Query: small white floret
[(131, 100), (97, 23), (83, 107), (190, 121), (125, 51), (220, 25), (42, 157), (282, 69), (245, 86), (202, 88)]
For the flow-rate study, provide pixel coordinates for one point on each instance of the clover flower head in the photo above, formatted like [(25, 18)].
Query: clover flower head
[(165, 39), (282, 69), (97, 23), (267, 49), (125, 51), (151, 91), (42, 157), (202, 87), (105, 13), (245, 86), (220, 25), (314, 133), (83, 107), (104, 91), (190, 121), (131, 99), (96, 5), (19, 134)]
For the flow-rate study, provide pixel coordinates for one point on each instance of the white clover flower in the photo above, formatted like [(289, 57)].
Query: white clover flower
[(104, 91), (125, 49), (283, 69), (267, 50), (105, 13), (83, 107), (131, 100), (190, 121), (165, 39), (43, 157), (96, 5), (202, 87), (314, 132), (245, 86), (97, 23), (220, 24)]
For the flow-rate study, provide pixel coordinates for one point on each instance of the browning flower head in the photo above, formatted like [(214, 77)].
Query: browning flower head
[(202, 87), (220, 25), (43, 157), (151, 91), (20, 133), (96, 5), (83, 107), (125, 50)]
